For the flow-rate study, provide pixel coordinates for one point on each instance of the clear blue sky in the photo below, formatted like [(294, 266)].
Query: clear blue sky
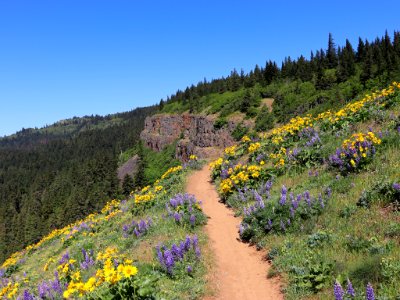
[(65, 58)]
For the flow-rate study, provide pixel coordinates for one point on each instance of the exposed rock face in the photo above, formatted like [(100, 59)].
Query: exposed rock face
[(196, 133), (130, 167)]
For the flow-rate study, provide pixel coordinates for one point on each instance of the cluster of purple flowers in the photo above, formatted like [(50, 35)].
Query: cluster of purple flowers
[(350, 158), (293, 206), (396, 186), (137, 228), (259, 204), (88, 260), (169, 257), (49, 289), (340, 294), (183, 207)]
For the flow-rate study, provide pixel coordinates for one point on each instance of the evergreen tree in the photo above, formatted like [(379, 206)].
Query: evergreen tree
[(331, 53), (360, 51), (128, 185)]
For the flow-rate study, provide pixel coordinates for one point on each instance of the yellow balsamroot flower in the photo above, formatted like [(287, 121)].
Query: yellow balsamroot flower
[(129, 271), (158, 188), (253, 147), (76, 276), (193, 157), (230, 151), (226, 186), (216, 164), (90, 285), (171, 170), (245, 139)]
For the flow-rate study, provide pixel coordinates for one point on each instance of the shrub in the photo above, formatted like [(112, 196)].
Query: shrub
[(265, 120)]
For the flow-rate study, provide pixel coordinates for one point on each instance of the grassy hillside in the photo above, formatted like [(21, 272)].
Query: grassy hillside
[(133, 249), (321, 194)]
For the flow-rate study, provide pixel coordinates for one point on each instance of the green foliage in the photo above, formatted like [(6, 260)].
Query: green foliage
[(383, 191), (220, 123), (319, 239), (128, 185), (264, 120), (314, 276), (239, 131)]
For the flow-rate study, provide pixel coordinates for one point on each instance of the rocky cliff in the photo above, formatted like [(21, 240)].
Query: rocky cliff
[(196, 134)]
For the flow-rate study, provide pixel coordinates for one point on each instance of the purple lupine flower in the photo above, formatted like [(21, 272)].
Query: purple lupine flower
[(288, 222), (177, 217), (282, 200), (369, 293), (310, 173), (328, 192), (176, 252), (56, 284), (396, 186), (283, 226), (338, 291), (292, 212), (187, 243), (28, 296), (321, 201), (261, 204), (257, 196), (197, 252), (64, 258), (350, 290), (189, 269), (268, 185), (195, 241), (224, 174), (169, 261), (43, 289), (270, 223), (192, 220), (160, 255)]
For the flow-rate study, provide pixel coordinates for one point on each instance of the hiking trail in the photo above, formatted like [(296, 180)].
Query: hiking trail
[(240, 271)]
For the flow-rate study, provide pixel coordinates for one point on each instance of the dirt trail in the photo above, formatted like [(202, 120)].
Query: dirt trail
[(240, 272)]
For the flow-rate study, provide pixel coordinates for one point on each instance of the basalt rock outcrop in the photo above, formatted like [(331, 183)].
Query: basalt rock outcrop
[(196, 134)]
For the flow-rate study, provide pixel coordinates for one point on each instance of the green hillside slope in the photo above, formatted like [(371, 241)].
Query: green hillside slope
[(321, 194)]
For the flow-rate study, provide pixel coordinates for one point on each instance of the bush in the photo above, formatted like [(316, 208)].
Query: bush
[(220, 123), (264, 120), (239, 131)]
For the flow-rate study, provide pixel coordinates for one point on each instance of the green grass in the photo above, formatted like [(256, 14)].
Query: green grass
[(345, 240)]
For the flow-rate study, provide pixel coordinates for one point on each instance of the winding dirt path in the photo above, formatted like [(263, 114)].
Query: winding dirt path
[(240, 272)]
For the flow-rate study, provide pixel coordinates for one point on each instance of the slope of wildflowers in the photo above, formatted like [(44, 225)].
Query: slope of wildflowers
[(145, 247), (321, 194)]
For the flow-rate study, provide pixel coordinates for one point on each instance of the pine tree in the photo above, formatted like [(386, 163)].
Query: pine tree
[(161, 105), (331, 53), (360, 56), (127, 185)]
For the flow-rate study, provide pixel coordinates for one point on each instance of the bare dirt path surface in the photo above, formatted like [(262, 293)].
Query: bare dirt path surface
[(240, 272)]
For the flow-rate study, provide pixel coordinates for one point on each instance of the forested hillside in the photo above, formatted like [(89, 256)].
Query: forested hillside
[(53, 176)]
